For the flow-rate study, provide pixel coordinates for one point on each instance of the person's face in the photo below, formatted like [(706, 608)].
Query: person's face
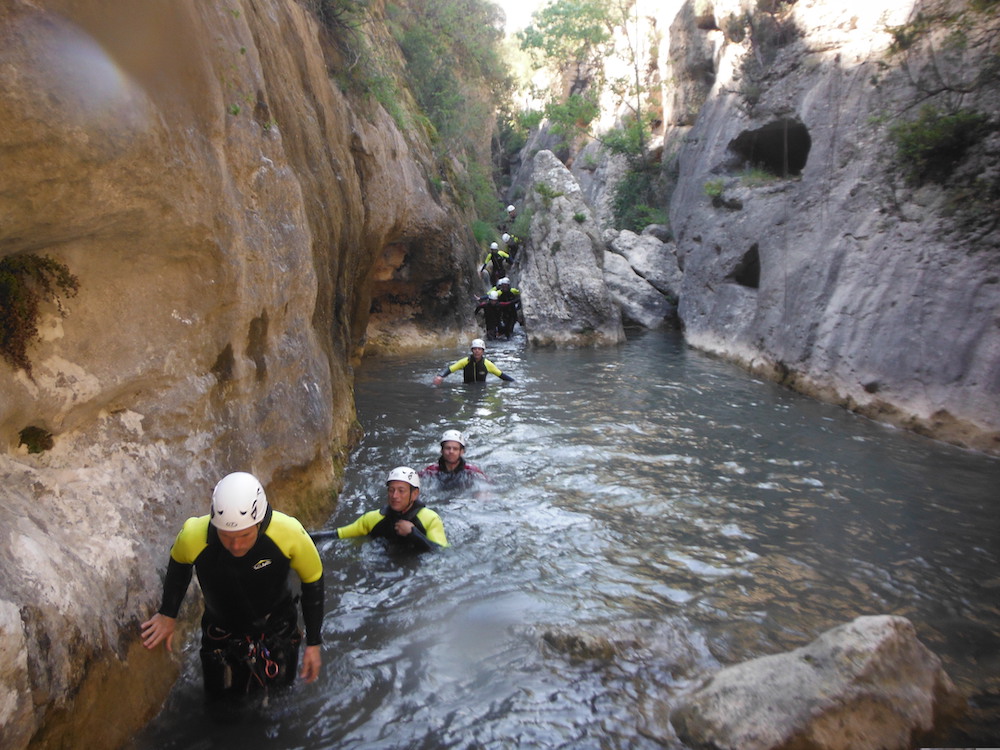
[(238, 543), (401, 495), (477, 353), (451, 451)]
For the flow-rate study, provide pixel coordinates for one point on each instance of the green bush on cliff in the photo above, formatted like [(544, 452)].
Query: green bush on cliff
[(929, 148), (25, 282)]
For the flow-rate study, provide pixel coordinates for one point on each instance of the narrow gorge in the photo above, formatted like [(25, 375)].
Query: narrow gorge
[(246, 215)]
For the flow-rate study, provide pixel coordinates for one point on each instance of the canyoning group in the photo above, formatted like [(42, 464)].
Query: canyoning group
[(244, 550)]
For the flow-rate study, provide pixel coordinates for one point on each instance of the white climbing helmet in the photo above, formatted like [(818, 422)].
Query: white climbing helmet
[(494, 294), (494, 246), (238, 502), (404, 474), (478, 344), (510, 208), (503, 281), (454, 436), (505, 237)]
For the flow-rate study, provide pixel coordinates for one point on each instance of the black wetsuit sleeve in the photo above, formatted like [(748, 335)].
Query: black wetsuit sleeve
[(421, 542), (312, 611), (175, 586), (445, 372), (505, 376)]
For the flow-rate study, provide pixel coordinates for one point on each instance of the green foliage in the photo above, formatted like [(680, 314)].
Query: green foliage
[(547, 193), (629, 141), (447, 43), (906, 35), (522, 225), (929, 148), (484, 232), (579, 217), (755, 177), (339, 15), (713, 188), (365, 72), (25, 282), (567, 32), (574, 115), (631, 203)]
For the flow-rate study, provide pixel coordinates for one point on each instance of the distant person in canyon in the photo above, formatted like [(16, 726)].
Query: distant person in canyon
[(496, 261), (489, 305), (512, 243), (404, 520), (511, 216), (474, 367), (243, 552), (452, 471), (509, 299)]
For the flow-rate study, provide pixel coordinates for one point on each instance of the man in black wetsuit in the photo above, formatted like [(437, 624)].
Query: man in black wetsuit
[(475, 367), (495, 260), (243, 552), (509, 299), (491, 313), (403, 520)]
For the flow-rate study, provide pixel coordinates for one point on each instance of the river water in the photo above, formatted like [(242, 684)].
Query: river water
[(652, 513)]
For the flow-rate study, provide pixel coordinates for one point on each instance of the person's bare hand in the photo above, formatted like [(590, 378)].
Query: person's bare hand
[(312, 659), (403, 528), (158, 628)]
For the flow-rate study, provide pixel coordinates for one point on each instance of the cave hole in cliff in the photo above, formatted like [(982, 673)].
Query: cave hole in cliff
[(257, 344), (780, 147), (747, 270), (36, 439), (224, 365)]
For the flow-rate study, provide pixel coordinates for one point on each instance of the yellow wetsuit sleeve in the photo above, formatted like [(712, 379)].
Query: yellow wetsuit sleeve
[(296, 544), (362, 526), (492, 368), (459, 365), (433, 526), (191, 540)]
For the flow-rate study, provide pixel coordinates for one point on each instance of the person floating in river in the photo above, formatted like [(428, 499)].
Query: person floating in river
[(404, 520), (451, 470), (474, 367), (495, 260), (243, 552)]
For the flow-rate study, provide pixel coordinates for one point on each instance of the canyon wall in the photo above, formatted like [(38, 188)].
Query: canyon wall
[(826, 267), (832, 174), (231, 216)]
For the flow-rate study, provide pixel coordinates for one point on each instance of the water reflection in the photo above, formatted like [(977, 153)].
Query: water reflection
[(647, 502)]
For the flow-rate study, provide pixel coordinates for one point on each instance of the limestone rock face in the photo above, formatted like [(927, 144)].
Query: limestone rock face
[(561, 277), (641, 304), (653, 259), (835, 276), (867, 685), (232, 218)]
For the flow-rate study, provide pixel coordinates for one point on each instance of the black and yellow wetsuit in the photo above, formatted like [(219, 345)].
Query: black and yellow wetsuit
[(474, 370), (249, 602), (428, 528)]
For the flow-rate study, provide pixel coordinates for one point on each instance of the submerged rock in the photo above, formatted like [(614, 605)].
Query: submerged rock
[(867, 684)]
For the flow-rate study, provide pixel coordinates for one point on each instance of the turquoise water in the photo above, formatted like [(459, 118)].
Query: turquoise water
[(652, 513)]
